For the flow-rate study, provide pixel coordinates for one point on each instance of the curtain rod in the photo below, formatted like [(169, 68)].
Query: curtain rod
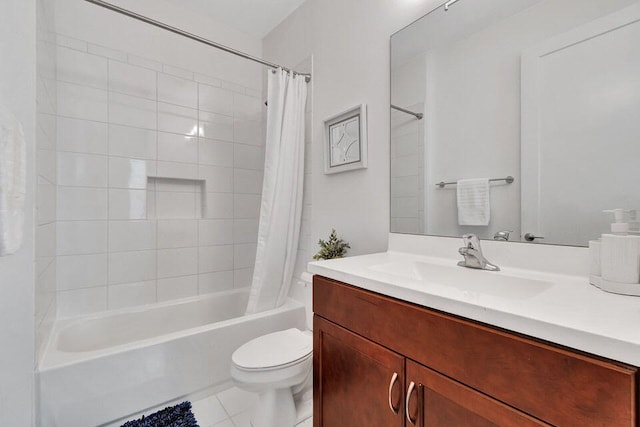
[(418, 116), (191, 36)]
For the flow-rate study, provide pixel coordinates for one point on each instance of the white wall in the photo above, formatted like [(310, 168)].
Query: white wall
[(349, 41), (17, 93), (160, 154)]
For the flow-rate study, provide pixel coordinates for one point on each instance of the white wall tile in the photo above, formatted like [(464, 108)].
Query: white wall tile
[(177, 119), (177, 148), (215, 282), (108, 52), (178, 72), (81, 136), (81, 237), (177, 262), (177, 287), (217, 179), (81, 68), (244, 255), (177, 233), (46, 165), (218, 205), (245, 230), (175, 90), (46, 236), (242, 277), (127, 141), (131, 235), (129, 267), (127, 204), (247, 205), (216, 153), (175, 170), (213, 232), (82, 102), (170, 205), (248, 132), (132, 111), (71, 42), (46, 203), (132, 80), (233, 86), (131, 294), (215, 258), (215, 100), (215, 126), (81, 271), (81, 204), (247, 107), (130, 173), (208, 80), (81, 301), (176, 184), (144, 62), (248, 156), (247, 181), (82, 170)]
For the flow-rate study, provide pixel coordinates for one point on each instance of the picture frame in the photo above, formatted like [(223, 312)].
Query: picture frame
[(346, 140)]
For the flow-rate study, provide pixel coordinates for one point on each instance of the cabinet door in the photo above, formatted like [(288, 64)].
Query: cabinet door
[(437, 401), (357, 383)]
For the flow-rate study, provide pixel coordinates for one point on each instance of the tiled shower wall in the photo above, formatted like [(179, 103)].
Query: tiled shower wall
[(45, 232), (159, 180)]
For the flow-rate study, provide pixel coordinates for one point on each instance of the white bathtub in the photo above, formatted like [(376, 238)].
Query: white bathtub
[(101, 368)]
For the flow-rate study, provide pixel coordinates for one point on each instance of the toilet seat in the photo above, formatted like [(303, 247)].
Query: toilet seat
[(277, 350)]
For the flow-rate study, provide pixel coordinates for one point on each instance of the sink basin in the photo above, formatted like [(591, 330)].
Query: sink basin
[(495, 283)]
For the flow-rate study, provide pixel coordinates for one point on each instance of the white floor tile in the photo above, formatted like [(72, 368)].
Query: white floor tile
[(225, 423), (209, 412), (243, 419), (236, 401)]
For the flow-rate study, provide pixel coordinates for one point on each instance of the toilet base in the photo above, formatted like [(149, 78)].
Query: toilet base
[(275, 408)]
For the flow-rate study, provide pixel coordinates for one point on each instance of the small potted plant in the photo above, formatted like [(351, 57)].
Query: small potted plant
[(332, 248)]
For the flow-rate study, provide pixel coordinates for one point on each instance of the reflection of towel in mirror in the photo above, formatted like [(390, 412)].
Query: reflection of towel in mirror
[(474, 207), (12, 182)]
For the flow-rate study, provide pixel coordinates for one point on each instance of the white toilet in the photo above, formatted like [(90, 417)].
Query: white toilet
[(278, 366)]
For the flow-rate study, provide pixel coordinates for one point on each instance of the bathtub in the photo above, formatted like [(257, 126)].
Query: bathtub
[(102, 368)]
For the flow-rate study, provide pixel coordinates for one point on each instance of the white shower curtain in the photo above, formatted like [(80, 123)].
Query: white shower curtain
[(281, 208)]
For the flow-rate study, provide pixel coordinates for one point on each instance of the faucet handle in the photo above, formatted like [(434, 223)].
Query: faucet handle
[(471, 241)]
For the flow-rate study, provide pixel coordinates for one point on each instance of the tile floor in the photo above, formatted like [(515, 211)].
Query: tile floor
[(229, 408)]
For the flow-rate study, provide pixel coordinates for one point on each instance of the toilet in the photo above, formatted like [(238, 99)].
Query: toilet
[(278, 366)]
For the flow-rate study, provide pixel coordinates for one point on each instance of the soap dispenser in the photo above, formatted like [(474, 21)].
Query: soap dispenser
[(620, 254)]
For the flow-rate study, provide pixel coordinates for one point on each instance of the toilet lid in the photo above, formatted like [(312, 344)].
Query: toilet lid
[(273, 350)]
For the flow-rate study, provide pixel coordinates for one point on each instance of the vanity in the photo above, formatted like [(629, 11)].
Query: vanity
[(397, 346)]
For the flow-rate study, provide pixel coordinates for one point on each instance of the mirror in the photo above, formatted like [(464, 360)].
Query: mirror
[(544, 91)]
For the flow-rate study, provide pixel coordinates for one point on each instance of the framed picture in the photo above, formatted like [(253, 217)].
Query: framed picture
[(346, 140)]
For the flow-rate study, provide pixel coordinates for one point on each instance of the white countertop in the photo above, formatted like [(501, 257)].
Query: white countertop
[(560, 308)]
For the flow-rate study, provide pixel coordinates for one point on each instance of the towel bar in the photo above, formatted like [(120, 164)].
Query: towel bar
[(508, 179)]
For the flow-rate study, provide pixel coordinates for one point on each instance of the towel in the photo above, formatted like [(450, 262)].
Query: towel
[(12, 182), (474, 207)]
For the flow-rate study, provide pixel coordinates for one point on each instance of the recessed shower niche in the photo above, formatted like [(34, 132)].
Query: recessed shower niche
[(175, 198)]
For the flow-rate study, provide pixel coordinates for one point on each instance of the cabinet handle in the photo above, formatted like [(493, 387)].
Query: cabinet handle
[(392, 383), (412, 386)]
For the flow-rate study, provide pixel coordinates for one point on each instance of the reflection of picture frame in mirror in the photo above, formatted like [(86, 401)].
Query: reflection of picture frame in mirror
[(346, 140)]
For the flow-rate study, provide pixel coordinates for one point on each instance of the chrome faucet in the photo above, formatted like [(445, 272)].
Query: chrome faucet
[(502, 235), (472, 254)]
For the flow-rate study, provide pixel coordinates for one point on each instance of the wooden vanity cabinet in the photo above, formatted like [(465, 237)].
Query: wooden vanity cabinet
[(384, 362)]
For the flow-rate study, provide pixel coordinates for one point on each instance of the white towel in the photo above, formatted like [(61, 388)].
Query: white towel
[(474, 207), (12, 182)]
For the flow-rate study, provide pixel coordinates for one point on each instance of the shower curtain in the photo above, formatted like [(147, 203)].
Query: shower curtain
[(281, 208)]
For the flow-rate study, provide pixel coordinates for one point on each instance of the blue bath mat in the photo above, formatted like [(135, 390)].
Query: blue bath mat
[(172, 416)]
